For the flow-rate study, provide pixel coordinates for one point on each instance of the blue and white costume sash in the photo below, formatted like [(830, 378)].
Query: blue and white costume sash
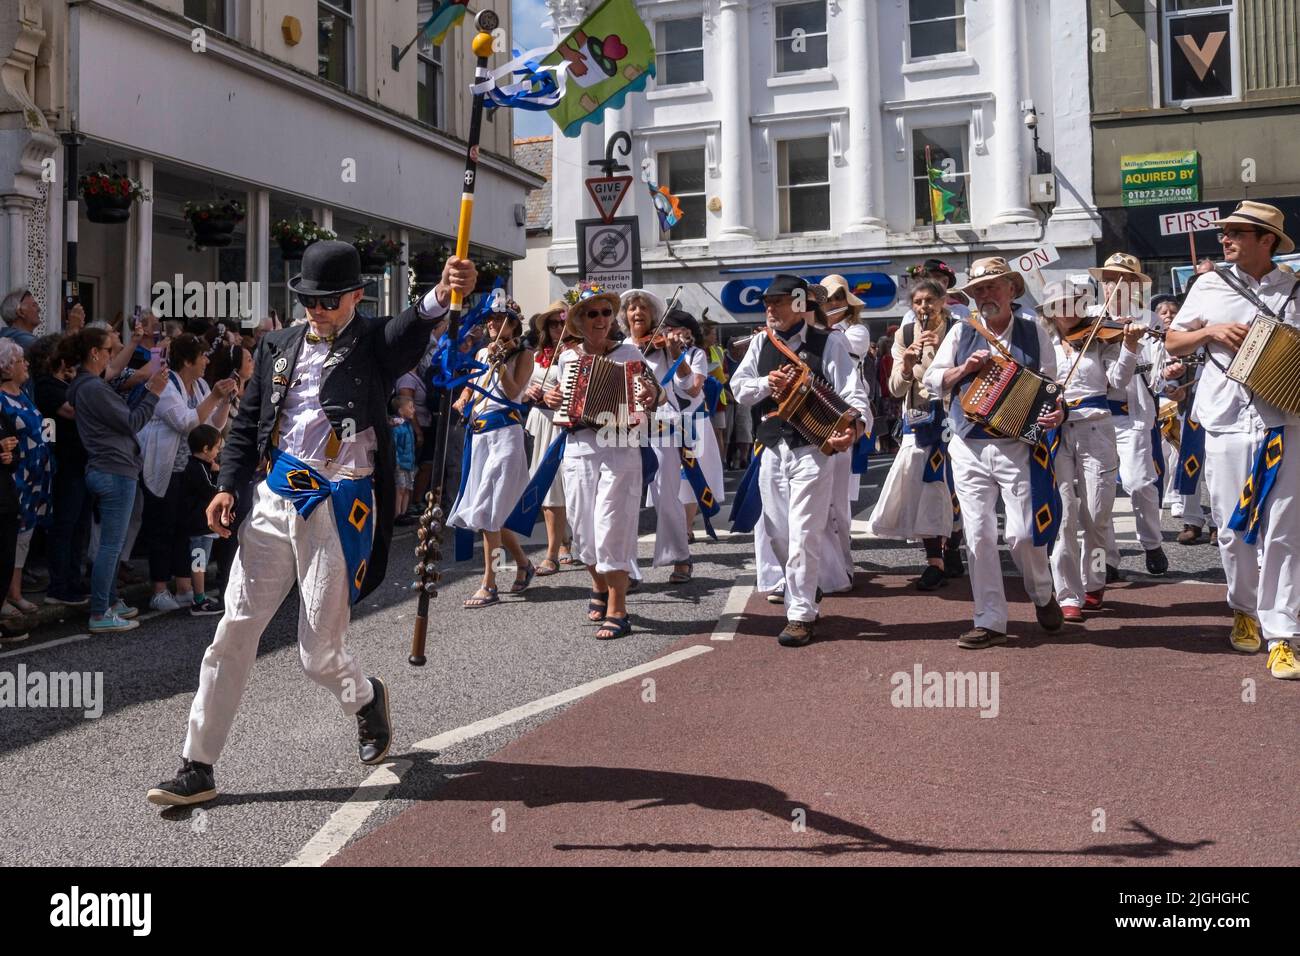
[(489, 421), (931, 436), (353, 503), (1191, 454), (747, 502), (1254, 496)]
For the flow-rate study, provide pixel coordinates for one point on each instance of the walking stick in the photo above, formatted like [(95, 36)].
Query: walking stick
[(428, 546)]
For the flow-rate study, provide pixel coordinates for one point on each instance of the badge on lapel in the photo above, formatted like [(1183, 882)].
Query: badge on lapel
[(281, 364)]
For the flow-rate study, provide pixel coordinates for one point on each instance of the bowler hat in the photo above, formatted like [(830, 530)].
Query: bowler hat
[(681, 319), (329, 267)]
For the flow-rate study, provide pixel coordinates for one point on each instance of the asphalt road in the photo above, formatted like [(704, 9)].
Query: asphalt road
[(73, 788)]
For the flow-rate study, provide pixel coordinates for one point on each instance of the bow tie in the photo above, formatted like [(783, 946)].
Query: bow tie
[(315, 339)]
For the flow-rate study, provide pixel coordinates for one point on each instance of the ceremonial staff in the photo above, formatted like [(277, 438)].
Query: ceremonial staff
[(428, 547)]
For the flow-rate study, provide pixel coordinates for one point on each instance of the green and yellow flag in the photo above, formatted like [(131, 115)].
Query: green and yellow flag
[(943, 202)]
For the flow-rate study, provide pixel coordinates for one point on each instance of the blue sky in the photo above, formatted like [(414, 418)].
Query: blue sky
[(528, 17)]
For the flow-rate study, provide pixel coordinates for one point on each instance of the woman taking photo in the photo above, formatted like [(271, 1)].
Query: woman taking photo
[(545, 330), (184, 404), (602, 479), (916, 502), (34, 471), (497, 470)]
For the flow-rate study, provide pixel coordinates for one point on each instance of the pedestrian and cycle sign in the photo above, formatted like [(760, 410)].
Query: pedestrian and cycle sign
[(609, 253), (607, 192)]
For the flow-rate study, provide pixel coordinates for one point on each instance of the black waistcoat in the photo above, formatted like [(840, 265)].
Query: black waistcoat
[(774, 429)]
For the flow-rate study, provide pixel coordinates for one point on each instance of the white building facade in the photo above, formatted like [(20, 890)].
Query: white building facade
[(294, 108), (794, 132)]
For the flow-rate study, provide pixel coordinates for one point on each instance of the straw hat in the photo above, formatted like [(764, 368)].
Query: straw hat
[(1120, 266), (837, 283), (1062, 299), (583, 297), (1262, 216), (983, 271)]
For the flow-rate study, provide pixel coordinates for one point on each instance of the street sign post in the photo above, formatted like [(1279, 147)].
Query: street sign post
[(608, 192), (609, 253)]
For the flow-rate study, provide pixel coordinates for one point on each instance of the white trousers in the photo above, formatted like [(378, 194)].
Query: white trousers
[(277, 549), (1188, 507), (983, 470), (602, 492), (1086, 463), (1268, 590), (846, 488), (671, 546), (797, 485), (1137, 473)]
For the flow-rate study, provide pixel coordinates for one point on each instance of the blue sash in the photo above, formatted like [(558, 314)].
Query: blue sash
[(931, 436), (694, 475), (747, 503), (1118, 408), (712, 392), (863, 449), (1191, 455), (489, 421), (295, 480), (1246, 516), (1095, 401), (1044, 495), (1158, 459)]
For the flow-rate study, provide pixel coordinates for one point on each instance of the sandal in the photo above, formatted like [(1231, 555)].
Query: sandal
[(597, 603), (616, 627), (566, 558), (633, 585), (548, 567), (489, 597), (529, 573), (681, 577)]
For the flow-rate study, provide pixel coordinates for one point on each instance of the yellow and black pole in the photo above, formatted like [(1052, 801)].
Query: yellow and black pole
[(428, 549)]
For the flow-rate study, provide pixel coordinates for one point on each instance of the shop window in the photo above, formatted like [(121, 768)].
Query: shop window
[(682, 172), (213, 14), (935, 27), (335, 43), (1200, 59), (679, 56), (941, 187), (803, 185), (800, 36)]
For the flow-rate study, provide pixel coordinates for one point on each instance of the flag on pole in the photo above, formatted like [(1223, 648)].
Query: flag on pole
[(606, 57), (943, 202), (446, 15), (667, 206)]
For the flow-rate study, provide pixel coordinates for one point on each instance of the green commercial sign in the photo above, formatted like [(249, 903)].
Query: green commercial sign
[(1150, 179)]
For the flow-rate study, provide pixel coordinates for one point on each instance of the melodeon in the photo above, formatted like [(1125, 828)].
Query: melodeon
[(812, 407), (1007, 398), (598, 392), (1268, 363)]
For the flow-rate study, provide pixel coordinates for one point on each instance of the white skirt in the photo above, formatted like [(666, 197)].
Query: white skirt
[(498, 475), (540, 425), (908, 508), (706, 452)]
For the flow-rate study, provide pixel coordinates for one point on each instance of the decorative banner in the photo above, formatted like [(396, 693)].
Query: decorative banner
[(943, 202), (876, 289), (667, 206), (446, 15), (608, 56), (1151, 179)]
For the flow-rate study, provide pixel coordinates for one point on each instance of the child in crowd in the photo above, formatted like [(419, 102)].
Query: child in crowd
[(199, 483), (404, 436)]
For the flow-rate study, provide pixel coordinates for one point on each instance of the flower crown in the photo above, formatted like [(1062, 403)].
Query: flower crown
[(583, 291)]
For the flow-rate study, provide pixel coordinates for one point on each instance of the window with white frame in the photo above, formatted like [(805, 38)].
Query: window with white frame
[(803, 185), (335, 42), (941, 176), (681, 172), (679, 51), (428, 72), (1200, 60), (800, 36), (213, 14), (935, 27)]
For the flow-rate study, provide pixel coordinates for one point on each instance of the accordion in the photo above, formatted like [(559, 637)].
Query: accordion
[(598, 392), (810, 404), (1007, 398), (1268, 363)]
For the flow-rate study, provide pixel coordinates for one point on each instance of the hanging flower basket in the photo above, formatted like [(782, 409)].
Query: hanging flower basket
[(427, 266), (295, 235), (489, 271), (377, 252), (109, 195), (212, 222)]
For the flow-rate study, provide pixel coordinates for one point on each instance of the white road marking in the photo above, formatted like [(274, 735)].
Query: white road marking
[(347, 819), (344, 823), (36, 648), (733, 610)]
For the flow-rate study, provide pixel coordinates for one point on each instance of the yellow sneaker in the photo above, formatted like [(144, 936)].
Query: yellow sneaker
[(1282, 662), (1245, 633)]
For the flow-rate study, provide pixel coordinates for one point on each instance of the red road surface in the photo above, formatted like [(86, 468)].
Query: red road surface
[(1138, 714)]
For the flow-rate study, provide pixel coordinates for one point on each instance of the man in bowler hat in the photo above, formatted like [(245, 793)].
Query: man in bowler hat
[(312, 429)]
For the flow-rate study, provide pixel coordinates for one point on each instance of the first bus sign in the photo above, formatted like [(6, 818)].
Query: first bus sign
[(1152, 179)]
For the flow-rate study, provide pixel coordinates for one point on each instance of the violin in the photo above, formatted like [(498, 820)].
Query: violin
[(1109, 331)]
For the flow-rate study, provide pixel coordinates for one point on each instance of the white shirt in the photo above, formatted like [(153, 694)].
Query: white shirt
[(1223, 405), (698, 362), (585, 441), (1103, 367), (944, 359), (838, 368), (857, 336)]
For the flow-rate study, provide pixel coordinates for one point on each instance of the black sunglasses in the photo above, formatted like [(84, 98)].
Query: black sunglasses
[(591, 314), (328, 302)]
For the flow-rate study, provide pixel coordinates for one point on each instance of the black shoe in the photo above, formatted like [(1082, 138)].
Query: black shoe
[(1157, 563), (374, 728), (1113, 574), (193, 783), (208, 607), (978, 638), (932, 578), (796, 634), (1050, 617), (952, 563), (818, 599)]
